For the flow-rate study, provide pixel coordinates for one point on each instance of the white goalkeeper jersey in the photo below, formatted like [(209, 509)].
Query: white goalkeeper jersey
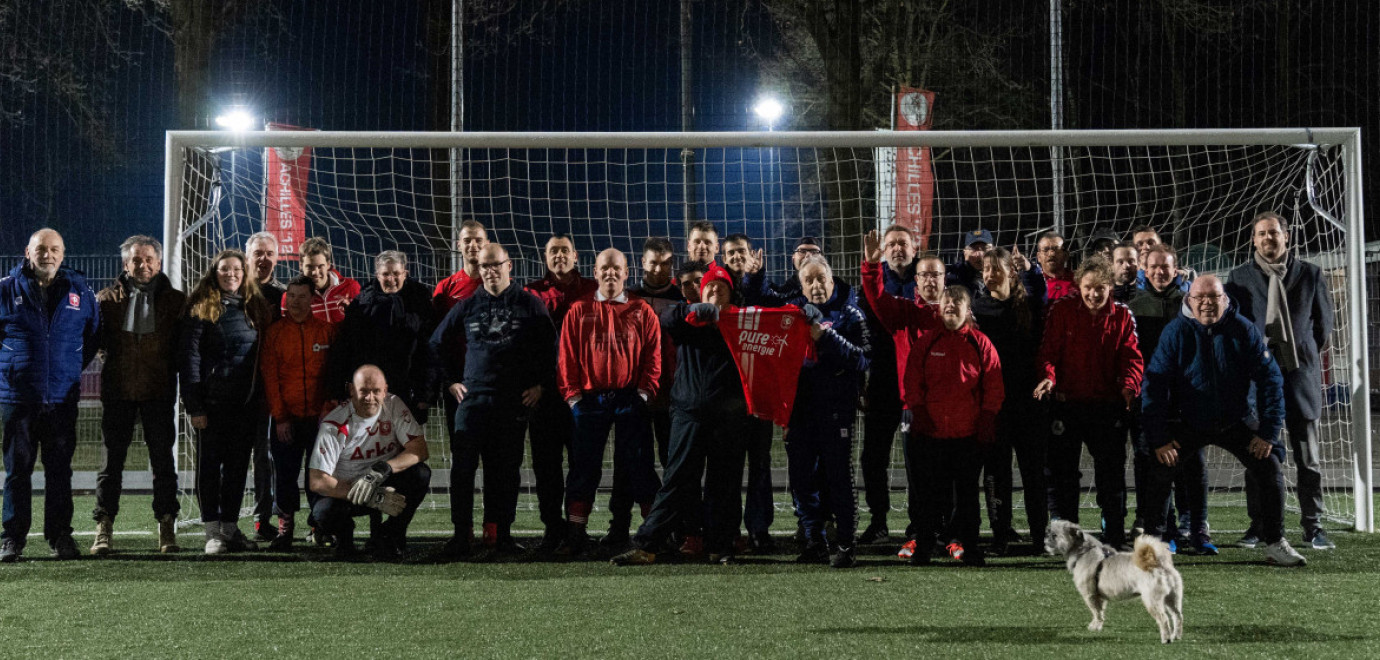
[(347, 444)]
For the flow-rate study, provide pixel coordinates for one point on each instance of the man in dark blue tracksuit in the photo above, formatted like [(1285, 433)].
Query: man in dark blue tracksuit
[(1213, 371), (48, 322), (819, 440), (505, 340), (708, 414)]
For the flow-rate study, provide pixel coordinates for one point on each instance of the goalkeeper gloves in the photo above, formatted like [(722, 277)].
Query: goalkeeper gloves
[(363, 488), (387, 500)]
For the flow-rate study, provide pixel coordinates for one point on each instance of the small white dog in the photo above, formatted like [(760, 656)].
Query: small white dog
[(1102, 574)]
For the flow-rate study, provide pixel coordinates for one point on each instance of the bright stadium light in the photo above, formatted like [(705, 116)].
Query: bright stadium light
[(769, 109), (236, 120)]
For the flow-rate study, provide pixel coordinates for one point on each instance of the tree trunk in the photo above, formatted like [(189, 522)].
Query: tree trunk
[(194, 32), (848, 173)]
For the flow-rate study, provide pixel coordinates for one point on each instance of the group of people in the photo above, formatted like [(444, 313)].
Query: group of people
[(973, 363)]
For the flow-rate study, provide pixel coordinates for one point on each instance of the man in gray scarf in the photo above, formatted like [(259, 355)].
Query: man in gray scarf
[(140, 317), (1289, 302)]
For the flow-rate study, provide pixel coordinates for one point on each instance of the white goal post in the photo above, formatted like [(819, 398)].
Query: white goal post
[(378, 190)]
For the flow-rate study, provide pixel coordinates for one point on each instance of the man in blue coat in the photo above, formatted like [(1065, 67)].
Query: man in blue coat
[(48, 320), (1202, 375), (1288, 301)]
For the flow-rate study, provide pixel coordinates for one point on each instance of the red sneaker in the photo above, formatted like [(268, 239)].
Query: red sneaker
[(955, 550), (907, 550), (490, 534)]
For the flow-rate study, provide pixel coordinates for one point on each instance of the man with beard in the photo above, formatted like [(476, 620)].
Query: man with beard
[(1054, 261)]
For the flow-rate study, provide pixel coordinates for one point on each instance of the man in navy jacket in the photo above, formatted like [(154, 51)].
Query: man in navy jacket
[(1296, 324), (1202, 373), (48, 321)]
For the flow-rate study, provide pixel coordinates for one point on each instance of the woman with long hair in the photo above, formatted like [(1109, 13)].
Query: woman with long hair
[(226, 314), (1090, 363), (1013, 319)]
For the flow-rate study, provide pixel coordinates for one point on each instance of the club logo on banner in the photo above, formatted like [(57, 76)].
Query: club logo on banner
[(914, 173), (286, 171)]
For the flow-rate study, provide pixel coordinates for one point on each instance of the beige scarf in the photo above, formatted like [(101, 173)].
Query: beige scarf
[(1279, 324)]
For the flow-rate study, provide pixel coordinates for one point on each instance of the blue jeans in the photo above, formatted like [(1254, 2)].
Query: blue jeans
[(31, 430), (626, 414)]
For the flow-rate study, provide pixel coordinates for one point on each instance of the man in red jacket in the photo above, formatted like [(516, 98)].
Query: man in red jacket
[(609, 369), (1091, 364), (332, 293), (1054, 260), (464, 282), (552, 426)]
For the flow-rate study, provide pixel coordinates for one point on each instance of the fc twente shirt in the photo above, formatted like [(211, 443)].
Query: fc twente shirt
[(769, 347)]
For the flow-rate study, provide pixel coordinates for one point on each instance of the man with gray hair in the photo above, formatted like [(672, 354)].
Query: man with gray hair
[(49, 319), (262, 251), (1288, 301), (387, 325), (140, 318)]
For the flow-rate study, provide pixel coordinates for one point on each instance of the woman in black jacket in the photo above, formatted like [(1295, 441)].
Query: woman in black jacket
[(219, 373), (1013, 319)]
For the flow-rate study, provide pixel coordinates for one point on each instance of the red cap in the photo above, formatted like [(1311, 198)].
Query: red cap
[(714, 274)]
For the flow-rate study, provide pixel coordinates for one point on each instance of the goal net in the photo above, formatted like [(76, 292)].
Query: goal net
[(368, 192)]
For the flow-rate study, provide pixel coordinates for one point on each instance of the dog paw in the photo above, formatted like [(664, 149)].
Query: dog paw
[(1095, 626)]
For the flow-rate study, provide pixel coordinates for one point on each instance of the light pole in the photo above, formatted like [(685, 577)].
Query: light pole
[(769, 110)]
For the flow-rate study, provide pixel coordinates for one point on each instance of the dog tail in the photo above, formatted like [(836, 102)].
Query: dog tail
[(1151, 553)]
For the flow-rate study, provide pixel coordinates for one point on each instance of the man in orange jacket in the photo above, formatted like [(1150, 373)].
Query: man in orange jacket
[(294, 368)]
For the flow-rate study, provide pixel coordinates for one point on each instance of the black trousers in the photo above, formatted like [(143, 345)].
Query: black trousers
[(946, 468), (32, 431), (1265, 472), (117, 431), (820, 457), (1304, 437), (264, 480), (621, 500), (880, 424), (705, 445), (337, 516), (1099, 425), (551, 433), (1022, 431), (759, 508), (222, 460), (487, 429), (288, 459)]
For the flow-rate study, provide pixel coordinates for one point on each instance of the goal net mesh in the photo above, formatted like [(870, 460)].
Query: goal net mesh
[(366, 199)]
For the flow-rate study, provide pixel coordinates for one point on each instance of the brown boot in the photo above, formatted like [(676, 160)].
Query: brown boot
[(105, 530), (167, 534)]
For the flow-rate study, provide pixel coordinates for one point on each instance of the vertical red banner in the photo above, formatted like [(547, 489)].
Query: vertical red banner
[(286, 171), (914, 174)]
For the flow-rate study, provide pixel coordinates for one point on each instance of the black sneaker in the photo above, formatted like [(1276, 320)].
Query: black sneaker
[(384, 548), (551, 539), (575, 543), (761, 543), (921, 557), (265, 531), (844, 557), (457, 546), (814, 553), (1249, 540), (617, 539), (507, 546), (345, 549), (974, 557), (64, 548), (874, 534), (10, 551)]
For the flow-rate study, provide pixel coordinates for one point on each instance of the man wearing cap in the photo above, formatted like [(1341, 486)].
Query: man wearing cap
[(1101, 245), (967, 272)]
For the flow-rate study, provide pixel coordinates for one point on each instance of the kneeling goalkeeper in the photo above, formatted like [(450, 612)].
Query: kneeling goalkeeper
[(369, 458)]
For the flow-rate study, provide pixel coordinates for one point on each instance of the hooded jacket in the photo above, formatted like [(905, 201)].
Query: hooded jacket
[(1017, 346), (1154, 311), (1212, 377), (955, 377), (908, 322), (883, 392), (706, 380), (1090, 357), (140, 367), (42, 355)]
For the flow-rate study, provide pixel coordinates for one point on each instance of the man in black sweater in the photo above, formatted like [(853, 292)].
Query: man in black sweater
[(492, 352)]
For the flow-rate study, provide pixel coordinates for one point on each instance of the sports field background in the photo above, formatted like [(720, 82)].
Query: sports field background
[(141, 604)]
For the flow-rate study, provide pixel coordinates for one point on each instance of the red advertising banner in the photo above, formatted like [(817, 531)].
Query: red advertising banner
[(286, 171), (914, 174)]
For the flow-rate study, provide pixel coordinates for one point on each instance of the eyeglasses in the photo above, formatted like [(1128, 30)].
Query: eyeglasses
[(929, 274), (806, 251), (1209, 297), (493, 266)]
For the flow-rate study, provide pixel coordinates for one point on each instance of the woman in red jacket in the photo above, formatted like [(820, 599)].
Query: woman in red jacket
[(953, 388), (1090, 362)]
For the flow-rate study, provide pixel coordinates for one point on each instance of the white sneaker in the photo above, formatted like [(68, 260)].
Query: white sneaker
[(1282, 554), (215, 540)]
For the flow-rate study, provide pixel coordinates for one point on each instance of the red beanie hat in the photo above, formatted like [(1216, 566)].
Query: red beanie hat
[(716, 273)]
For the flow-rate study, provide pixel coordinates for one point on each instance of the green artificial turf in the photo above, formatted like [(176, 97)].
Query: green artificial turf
[(141, 604)]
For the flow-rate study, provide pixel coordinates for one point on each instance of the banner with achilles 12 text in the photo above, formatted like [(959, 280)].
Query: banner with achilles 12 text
[(286, 171), (914, 173)]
